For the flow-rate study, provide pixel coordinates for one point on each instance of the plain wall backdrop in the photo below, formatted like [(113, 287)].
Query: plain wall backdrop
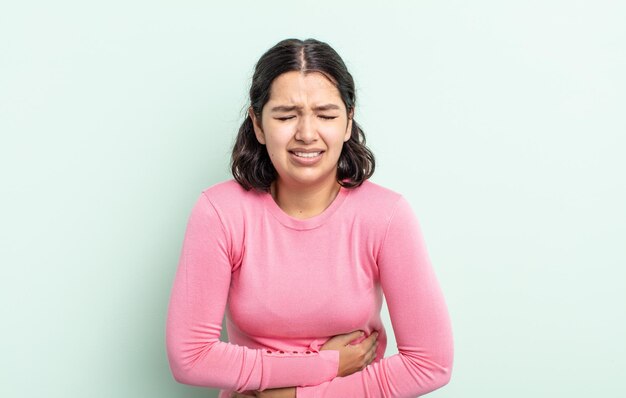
[(502, 122)]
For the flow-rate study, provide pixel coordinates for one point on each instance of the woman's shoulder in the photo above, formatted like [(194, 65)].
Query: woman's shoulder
[(378, 206), (372, 195), (229, 194), (374, 205), (226, 188)]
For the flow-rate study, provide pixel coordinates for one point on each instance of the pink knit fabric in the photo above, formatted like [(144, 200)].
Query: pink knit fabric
[(287, 285)]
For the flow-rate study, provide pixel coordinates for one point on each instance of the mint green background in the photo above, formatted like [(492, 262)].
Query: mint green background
[(502, 122)]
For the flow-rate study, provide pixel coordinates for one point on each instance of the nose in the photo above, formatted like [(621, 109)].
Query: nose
[(306, 131)]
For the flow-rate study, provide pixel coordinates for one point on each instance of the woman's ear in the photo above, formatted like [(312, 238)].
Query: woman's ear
[(348, 134), (258, 131)]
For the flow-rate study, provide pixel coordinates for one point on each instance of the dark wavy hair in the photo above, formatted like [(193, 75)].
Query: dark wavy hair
[(250, 163)]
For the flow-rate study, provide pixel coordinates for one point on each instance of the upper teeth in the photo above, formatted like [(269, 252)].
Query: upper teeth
[(307, 154)]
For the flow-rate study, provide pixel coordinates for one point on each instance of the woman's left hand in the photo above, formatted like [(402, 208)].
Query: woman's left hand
[(288, 392)]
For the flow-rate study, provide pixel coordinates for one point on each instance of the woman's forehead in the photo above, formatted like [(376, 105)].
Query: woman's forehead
[(304, 90)]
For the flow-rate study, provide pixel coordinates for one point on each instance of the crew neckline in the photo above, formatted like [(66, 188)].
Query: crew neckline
[(304, 223)]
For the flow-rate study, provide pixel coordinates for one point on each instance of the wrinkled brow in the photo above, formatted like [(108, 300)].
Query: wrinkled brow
[(289, 108)]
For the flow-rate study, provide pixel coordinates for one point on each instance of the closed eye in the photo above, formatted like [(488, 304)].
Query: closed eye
[(321, 116)]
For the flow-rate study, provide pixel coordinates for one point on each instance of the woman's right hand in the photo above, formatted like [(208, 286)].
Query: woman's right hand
[(353, 357)]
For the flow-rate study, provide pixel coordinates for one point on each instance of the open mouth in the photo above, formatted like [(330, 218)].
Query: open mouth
[(307, 154)]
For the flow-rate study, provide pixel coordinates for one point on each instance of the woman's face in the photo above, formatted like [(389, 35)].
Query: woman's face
[(303, 126)]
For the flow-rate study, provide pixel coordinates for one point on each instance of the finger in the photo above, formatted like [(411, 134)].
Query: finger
[(370, 340), (371, 355)]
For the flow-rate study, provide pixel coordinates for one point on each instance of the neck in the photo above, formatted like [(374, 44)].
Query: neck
[(304, 202)]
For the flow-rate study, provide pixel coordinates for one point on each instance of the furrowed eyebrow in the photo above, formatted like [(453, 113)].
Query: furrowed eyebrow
[(286, 108), (326, 107)]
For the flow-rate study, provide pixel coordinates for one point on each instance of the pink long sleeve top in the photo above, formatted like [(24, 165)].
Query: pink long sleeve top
[(287, 285)]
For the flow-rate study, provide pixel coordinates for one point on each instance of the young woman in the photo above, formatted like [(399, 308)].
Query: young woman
[(297, 251)]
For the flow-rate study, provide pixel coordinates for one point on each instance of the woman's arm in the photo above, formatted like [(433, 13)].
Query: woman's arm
[(353, 358), (419, 317), (196, 308), (366, 350)]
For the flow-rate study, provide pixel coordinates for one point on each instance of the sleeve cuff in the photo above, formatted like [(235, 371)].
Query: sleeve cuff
[(298, 368)]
